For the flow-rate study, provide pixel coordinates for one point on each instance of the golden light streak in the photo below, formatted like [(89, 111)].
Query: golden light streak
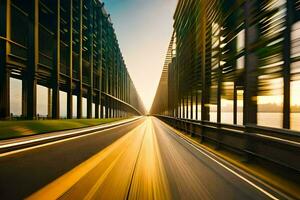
[(129, 168)]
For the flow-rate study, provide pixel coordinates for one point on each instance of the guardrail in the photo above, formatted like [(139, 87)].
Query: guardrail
[(270, 146)]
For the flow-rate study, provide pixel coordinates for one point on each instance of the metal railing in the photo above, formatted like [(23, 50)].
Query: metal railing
[(273, 146)]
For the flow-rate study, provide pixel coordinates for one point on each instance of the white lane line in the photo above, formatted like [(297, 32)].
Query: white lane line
[(61, 135), (227, 168), (59, 141), (235, 173)]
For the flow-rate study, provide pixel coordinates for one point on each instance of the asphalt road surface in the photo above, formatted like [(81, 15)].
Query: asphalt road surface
[(145, 159)]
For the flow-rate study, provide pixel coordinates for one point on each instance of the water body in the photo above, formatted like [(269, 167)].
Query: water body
[(271, 119)]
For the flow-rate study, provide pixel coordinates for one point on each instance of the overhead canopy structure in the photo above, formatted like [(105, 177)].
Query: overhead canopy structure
[(66, 46)]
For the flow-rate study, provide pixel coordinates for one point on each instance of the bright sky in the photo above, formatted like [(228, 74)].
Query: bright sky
[(144, 29)]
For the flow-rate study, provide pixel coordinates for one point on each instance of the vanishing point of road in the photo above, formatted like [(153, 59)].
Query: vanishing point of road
[(143, 159)]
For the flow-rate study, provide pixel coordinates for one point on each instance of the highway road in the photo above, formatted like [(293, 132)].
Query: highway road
[(145, 159)]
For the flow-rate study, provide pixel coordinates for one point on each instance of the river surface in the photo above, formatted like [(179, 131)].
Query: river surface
[(271, 119)]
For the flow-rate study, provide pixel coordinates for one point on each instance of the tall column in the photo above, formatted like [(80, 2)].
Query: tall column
[(235, 103), (70, 63), (29, 81), (101, 109), (250, 91), (79, 96), (176, 109), (49, 103), (112, 109), (178, 102), (192, 109), (109, 108), (56, 63), (287, 65), (91, 41), (196, 102), (235, 83), (4, 73), (97, 108), (205, 89), (187, 107), (183, 107), (107, 115), (179, 107), (98, 93), (100, 35), (219, 89)]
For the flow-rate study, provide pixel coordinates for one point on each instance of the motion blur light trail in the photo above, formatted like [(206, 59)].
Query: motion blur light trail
[(149, 162)]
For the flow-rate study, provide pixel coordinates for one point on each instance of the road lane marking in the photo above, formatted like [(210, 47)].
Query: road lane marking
[(134, 167), (60, 186), (180, 163), (60, 141), (150, 179), (203, 151), (100, 181)]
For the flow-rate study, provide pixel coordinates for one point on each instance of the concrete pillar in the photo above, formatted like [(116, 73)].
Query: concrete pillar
[(29, 80), (79, 95), (186, 107), (107, 108), (49, 103), (219, 72), (287, 65), (70, 63), (250, 92), (192, 110), (56, 63), (97, 109), (205, 89), (101, 108), (4, 73), (91, 41), (235, 110)]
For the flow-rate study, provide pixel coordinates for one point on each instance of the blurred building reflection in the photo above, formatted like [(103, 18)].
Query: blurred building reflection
[(235, 62)]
